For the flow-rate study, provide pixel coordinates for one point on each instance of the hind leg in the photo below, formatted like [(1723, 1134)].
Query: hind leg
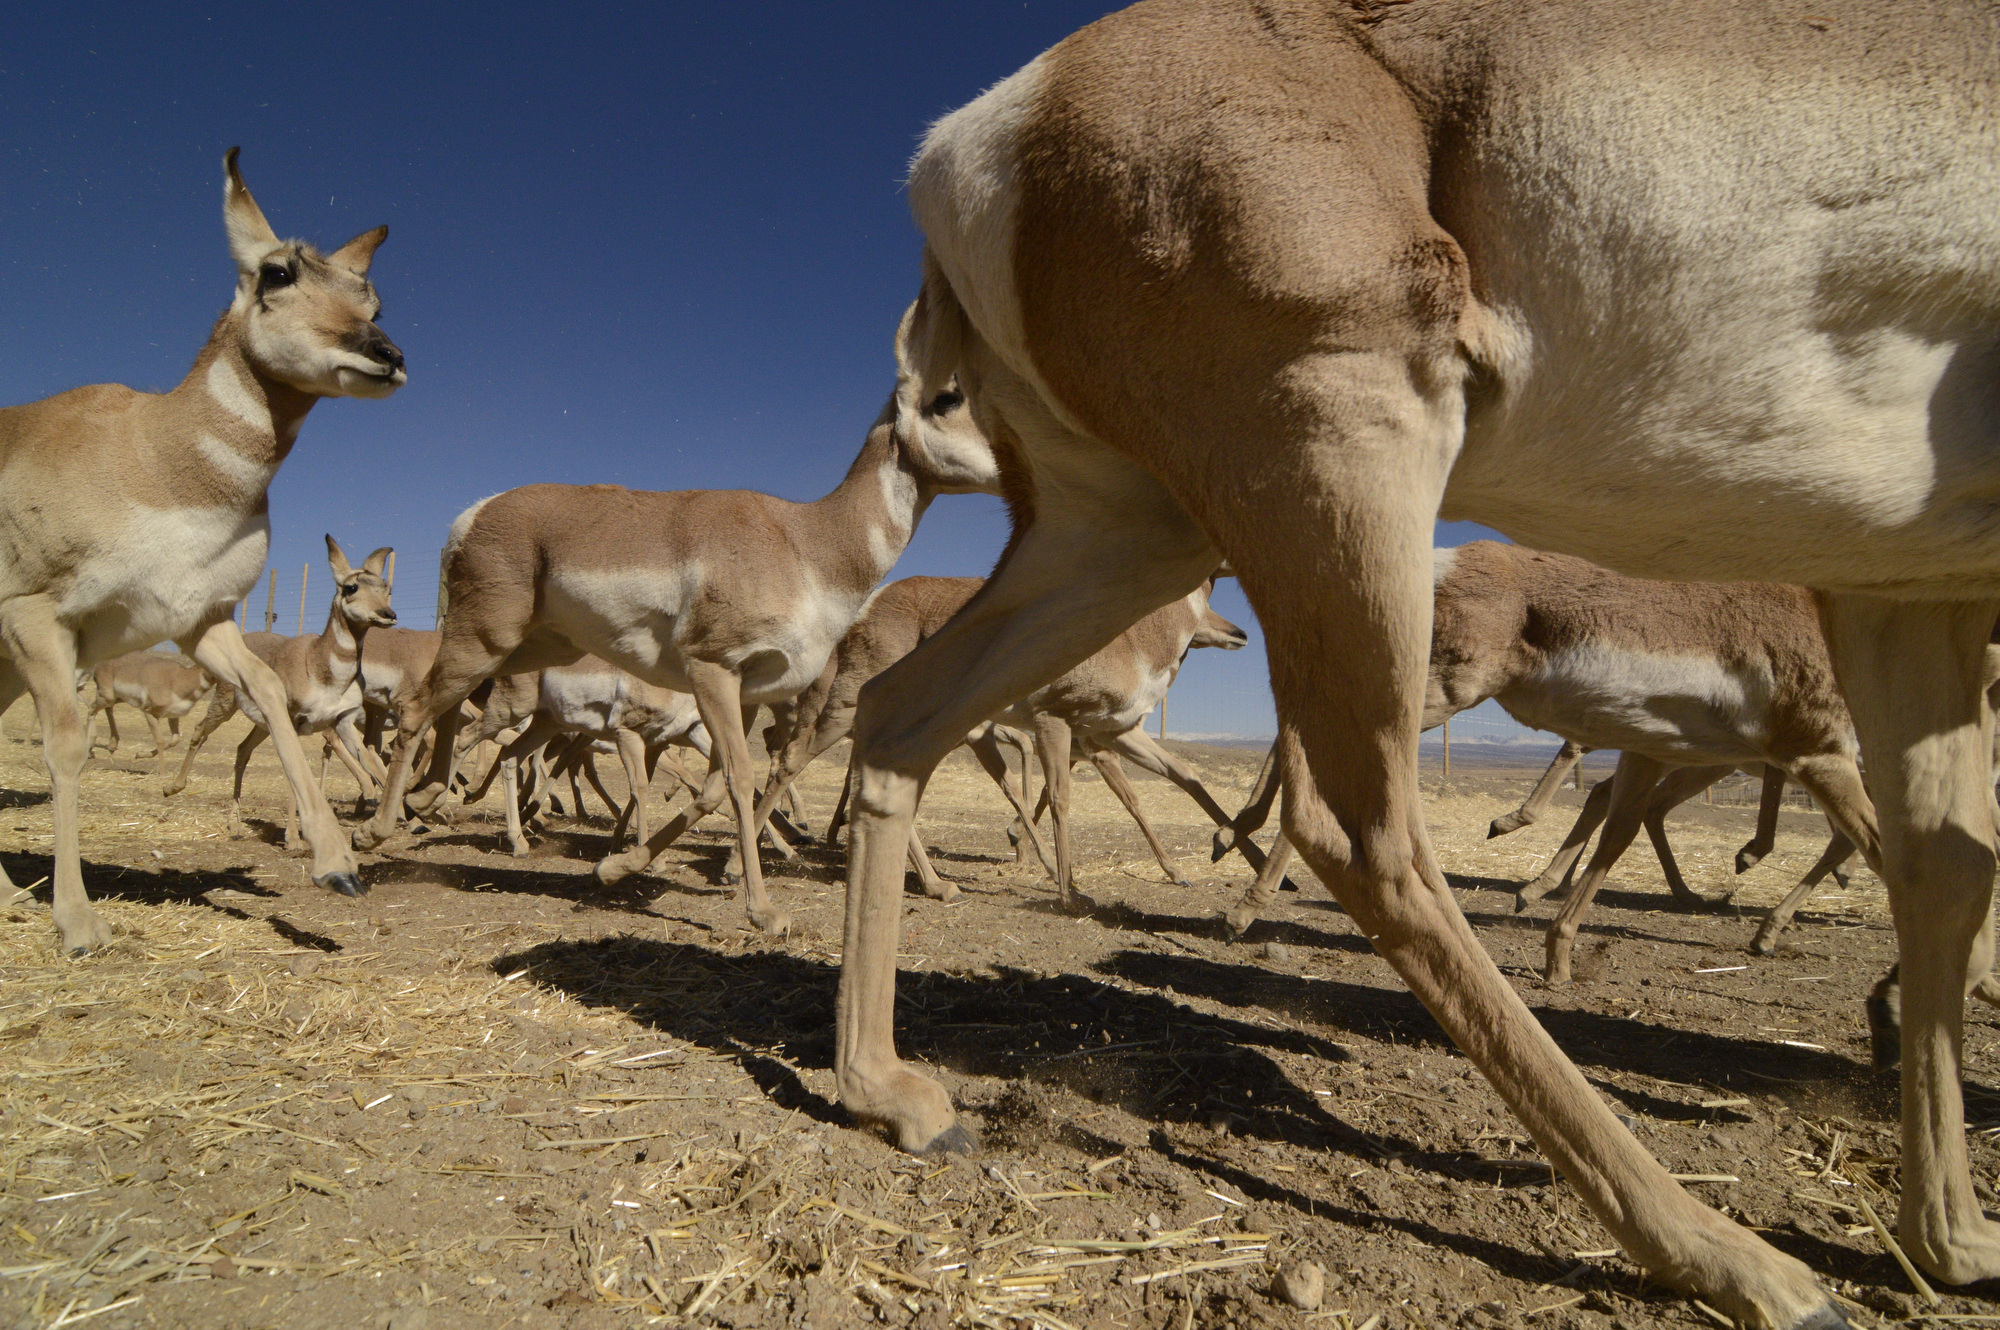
[(43, 654)]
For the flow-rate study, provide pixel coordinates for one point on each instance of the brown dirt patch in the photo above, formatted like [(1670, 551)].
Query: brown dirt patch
[(485, 1095)]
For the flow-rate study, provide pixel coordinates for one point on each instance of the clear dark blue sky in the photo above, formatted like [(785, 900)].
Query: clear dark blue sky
[(663, 246)]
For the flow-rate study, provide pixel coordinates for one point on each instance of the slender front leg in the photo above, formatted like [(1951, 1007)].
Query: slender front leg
[(1913, 677), (631, 752), (1675, 789), (985, 745), (1631, 790), (220, 650), (1052, 740), (1144, 752), (1838, 851), (43, 654), (1262, 891), (1770, 798), (510, 795), (1588, 819), (153, 727), (1539, 798), (1114, 776), (221, 706), (1256, 810)]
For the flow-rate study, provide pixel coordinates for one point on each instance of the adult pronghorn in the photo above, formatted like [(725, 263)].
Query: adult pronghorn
[(320, 675), (127, 518), (733, 596), (1706, 290), (1692, 679)]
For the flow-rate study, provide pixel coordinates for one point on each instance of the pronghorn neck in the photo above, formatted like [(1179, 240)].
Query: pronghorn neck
[(337, 650), (245, 421), (872, 513)]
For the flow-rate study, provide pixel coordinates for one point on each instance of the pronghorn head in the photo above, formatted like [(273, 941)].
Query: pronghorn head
[(360, 595), (933, 424), (1214, 630), (307, 319)]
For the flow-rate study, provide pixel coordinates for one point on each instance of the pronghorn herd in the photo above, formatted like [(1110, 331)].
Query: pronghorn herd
[(1707, 293)]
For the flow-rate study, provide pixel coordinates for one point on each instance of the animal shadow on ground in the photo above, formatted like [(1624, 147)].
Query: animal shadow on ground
[(633, 896), (23, 798), (141, 886)]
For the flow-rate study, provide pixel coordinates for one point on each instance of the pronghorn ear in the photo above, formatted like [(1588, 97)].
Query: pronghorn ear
[(358, 253), (929, 341), (375, 562), (336, 557), (250, 236)]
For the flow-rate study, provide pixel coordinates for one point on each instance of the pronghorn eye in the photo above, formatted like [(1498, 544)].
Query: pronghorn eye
[(949, 399), (350, 588), (275, 275)]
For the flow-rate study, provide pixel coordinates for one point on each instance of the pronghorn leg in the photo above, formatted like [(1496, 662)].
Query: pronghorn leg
[(1913, 677), (631, 752), (42, 653), (352, 750), (1143, 751), (1675, 789), (1769, 800), (1108, 767), (1261, 892), (153, 727), (1631, 791), (1537, 802), (933, 883), (795, 808), (510, 795), (244, 750), (839, 817), (985, 745), (221, 706), (1255, 812), (1838, 851), (110, 708), (1588, 819), (1052, 741), (719, 695)]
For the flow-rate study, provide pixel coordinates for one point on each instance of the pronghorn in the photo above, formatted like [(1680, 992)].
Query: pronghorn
[(591, 699), (159, 687), (733, 596), (1673, 790), (1692, 678), (133, 518), (320, 675), (1100, 702), (1286, 282)]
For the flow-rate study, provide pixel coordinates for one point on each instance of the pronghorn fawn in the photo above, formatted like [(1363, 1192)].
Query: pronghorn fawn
[(141, 517), (159, 687), (733, 596), (320, 676)]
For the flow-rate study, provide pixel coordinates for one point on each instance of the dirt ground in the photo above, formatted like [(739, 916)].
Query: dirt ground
[(486, 1095)]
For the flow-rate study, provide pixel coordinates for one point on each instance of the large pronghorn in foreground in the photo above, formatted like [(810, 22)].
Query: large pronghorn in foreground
[(1285, 282), (128, 518), (733, 596)]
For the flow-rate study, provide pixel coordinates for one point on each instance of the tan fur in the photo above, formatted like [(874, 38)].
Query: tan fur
[(320, 676), (128, 518), (1695, 290), (735, 597), (160, 687)]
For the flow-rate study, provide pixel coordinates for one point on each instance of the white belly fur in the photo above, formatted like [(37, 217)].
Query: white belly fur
[(1685, 709), (169, 570)]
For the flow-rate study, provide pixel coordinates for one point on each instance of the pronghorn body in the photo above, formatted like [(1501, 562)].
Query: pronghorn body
[(159, 687), (128, 518), (732, 596), (1705, 290), (321, 677), (597, 700)]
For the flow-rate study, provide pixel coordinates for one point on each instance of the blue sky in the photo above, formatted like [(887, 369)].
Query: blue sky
[(662, 246)]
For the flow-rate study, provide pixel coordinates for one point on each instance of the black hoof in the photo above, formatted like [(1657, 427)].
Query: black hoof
[(347, 884), (1826, 1318), (954, 1140), (1521, 903)]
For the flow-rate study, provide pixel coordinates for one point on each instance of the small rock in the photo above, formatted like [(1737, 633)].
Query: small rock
[(224, 1268), (1276, 951), (151, 1173), (489, 1106), (1302, 1285), (303, 966), (513, 1104)]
